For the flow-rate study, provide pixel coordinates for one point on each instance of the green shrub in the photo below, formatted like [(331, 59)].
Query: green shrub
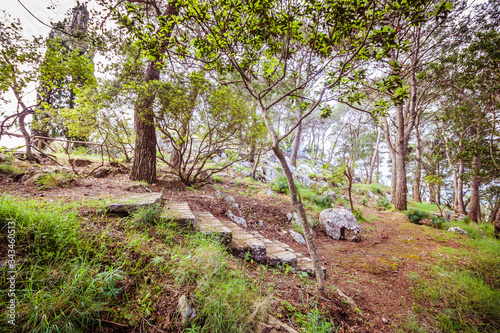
[(364, 202), (416, 215), (217, 179), (314, 322), (280, 185), (358, 214), (323, 201), (438, 222), (384, 203)]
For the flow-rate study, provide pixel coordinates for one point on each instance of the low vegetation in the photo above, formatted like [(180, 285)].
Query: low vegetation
[(78, 277)]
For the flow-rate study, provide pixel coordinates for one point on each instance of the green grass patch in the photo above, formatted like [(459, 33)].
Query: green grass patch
[(378, 189), (47, 181), (75, 273), (463, 287), (10, 169)]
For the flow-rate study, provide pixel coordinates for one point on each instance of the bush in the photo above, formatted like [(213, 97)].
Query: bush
[(384, 203), (280, 185), (416, 215), (323, 201), (364, 202), (358, 214), (438, 222)]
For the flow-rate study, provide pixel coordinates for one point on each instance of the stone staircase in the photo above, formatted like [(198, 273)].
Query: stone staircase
[(243, 243)]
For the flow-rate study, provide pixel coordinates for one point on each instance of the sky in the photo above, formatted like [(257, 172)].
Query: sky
[(45, 10)]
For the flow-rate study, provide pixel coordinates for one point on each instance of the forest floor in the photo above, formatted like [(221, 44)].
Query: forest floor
[(380, 272)]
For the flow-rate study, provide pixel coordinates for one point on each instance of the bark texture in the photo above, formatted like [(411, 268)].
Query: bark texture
[(144, 162)]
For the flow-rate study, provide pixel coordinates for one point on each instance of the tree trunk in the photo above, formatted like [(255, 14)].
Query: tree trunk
[(460, 189), (303, 220), (26, 135), (399, 198), (296, 143), (251, 156), (417, 196), (374, 158), (144, 162), (474, 207)]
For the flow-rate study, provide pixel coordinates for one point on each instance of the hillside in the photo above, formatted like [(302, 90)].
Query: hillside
[(80, 268)]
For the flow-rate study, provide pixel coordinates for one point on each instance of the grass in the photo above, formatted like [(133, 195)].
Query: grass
[(51, 180), (75, 275), (375, 188), (463, 287), (9, 169), (426, 207)]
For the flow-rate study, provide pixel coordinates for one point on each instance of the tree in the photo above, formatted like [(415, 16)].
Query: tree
[(258, 43), (198, 119), (19, 59)]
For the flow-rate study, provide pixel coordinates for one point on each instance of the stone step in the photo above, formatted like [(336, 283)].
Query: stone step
[(304, 264), (208, 224), (134, 202), (244, 242), (179, 214)]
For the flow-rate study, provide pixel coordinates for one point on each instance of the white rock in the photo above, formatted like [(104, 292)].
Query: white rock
[(297, 237), (232, 203), (216, 159), (340, 224), (246, 164), (260, 223), (245, 173), (238, 220), (458, 230), (223, 156), (188, 313)]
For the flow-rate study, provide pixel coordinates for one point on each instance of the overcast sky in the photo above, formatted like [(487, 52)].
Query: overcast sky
[(46, 11)]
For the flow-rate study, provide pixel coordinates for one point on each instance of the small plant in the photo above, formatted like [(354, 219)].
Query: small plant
[(416, 215), (9, 169), (364, 202), (280, 185), (217, 179), (341, 202), (323, 201), (438, 222), (384, 203), (358, 214), (149, 214), (47, 181)]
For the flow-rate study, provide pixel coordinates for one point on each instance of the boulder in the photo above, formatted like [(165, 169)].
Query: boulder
[(270, 173), (216, 159), (294, 218), (187, 311), (238, 220), (458, 230), (447, 215), (269, 193), (297, 237), (231, 202), (372, 195), (246, 173), (340, 224), (80, 162), (101, 172), (246, 164)]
